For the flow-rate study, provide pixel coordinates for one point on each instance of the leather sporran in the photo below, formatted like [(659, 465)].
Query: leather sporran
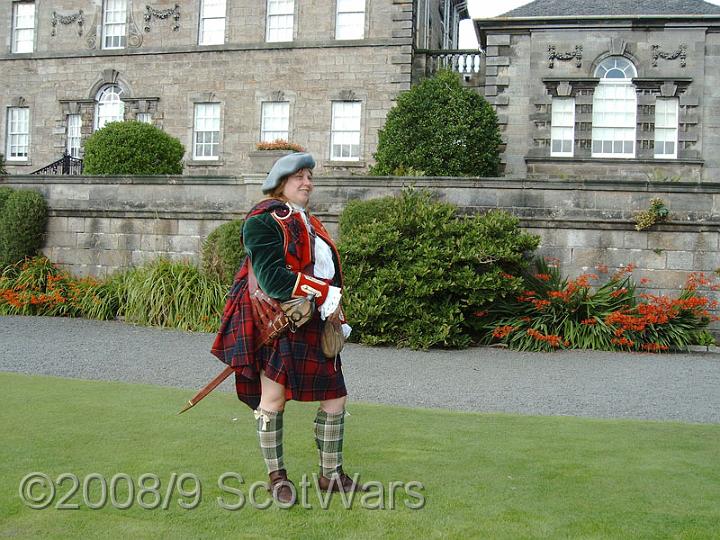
[(332, 339), (273, 318)]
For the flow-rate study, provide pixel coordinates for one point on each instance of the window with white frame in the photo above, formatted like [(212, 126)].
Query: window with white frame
[(206, 133), (345, 131), (562, 133), (18, 134), (109, 106), (614, 109), (74, 130), (280, 20), (212, 22), (114, 24), (350, 19), (144, 117), (275, 121), (23, 35), (666, 127)]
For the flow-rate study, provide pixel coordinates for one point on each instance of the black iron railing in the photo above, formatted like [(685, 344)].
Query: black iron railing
[(65, 165)]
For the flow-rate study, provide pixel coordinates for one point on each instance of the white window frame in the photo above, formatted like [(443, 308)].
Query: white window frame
[(562, 126), (275, 121), (18, 134), (343, 132), (114, 29), (212, 36), (116, 106), (614, 125), (74, 135), (666, 125), (280, 11), (27, 30), (201, 122), (353, 10)]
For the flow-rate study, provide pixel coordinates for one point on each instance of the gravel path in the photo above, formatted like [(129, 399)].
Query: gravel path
[(683, 387)]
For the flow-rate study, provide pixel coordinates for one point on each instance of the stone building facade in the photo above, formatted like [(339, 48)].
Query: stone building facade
[(220, 75), (598, 89)]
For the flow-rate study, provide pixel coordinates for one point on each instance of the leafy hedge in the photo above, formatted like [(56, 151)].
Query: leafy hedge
[(132, 148), (415, 272), (439, 128), (223, 251), (22, 224)]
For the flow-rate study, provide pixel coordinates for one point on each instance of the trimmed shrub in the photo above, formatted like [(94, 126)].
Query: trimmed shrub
[(223, 251), (416, 272), (22, 226), (132, 148), (439, 128), (5, 192)]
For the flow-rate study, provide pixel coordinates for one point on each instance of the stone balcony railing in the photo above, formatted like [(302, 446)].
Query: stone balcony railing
[(470, 63)]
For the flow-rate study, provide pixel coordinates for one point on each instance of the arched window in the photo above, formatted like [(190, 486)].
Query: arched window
[(616, 67), (109, 107), (614, 109)]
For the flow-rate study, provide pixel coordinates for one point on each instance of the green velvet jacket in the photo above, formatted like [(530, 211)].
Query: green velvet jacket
[(281, 250)]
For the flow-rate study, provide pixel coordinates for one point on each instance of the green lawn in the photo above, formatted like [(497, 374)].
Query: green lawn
[(498, 476)]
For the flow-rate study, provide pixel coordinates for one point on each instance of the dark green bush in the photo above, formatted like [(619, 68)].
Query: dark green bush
[(223, 251), (439, 128), (132, 148), (5, 192), (22, 225), (415, 272)]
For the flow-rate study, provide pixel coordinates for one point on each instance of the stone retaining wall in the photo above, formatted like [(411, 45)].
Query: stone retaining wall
[(100, 224)]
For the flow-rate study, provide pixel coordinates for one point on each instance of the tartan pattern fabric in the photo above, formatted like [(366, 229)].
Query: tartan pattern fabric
[(294, 360), (329, 434), (270, 433)]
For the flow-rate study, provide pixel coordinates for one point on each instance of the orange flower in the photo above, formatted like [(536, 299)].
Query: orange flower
[(562, 295), (654, 347), (541, 304), (622, 342), (502, 331), (551, 339), (589, 321), (543, 277)]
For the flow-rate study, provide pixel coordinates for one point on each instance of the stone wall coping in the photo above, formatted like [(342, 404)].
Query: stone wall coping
[(118, 180), (620, 184), (231, 47), (541, 221)]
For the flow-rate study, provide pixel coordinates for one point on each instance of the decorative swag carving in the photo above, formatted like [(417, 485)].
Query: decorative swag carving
[(563, 57), (162, 14)]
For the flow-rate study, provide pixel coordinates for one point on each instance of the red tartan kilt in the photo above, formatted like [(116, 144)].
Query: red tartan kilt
[(294, 360)]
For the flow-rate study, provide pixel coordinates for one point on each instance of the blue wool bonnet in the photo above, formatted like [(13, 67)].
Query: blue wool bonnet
[(285, 166)]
